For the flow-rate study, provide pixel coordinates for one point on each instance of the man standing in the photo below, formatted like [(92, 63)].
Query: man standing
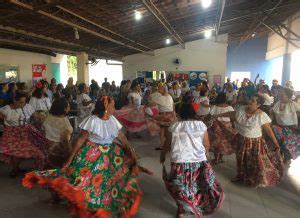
[(105, 85)]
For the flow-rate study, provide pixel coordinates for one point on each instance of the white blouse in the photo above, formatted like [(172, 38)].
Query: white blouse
[(56, 127), (101, 131), (83, 111), (16, 117), (215, 110), (187, 141), (40, 104), (175, 93), (250, 127), (202, 110), (230, 95), (165, 102), (288, 115), (269, 100), (137, 98)]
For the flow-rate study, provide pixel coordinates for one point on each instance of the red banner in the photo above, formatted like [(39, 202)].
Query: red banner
[(39, 71)]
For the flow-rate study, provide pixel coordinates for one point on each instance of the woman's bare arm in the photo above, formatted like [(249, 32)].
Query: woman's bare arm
[(166, 147), (206, 142), (230, 114)]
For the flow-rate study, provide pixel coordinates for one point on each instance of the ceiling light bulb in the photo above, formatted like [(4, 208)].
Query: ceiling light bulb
[(206, 3), (76, 34), (253, 34), (168, 41), (138, 15), (207, 33)]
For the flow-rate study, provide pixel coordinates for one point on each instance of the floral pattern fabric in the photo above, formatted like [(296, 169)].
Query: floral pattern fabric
[(22, 142), (101, 180), (194, 187), (288, 140), (257, 162)]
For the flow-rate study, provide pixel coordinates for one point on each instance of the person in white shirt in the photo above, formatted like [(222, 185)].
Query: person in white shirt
[(102, 168), (184, 87), (85, 104), (196, 92), (203, 102), (265, 92), (285, 113), (20, 140), (231, 95), (175, 92), (258, 164), (221, 130), (191, 182)]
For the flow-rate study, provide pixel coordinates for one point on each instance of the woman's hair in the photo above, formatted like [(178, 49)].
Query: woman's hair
[(11, 87), (58, 106), (289, 93), (59, 86), (259, 99), (133, 85), (221, 98), (81, 87), (266, 89), (123, 83), (203, 92), (20, 95), (186, 110), (101, 105), (38, 92)]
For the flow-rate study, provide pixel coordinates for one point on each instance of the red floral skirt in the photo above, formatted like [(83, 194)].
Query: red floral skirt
[(22, 142), (257, 162), (194, 187)]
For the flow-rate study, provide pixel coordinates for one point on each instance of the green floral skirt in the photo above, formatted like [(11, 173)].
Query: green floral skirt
[(102, 181)]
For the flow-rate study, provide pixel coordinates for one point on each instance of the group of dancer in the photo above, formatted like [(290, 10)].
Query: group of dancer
[(97, 171)]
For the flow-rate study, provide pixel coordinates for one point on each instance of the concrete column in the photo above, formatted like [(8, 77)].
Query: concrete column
[(286, 68), (82, 68)]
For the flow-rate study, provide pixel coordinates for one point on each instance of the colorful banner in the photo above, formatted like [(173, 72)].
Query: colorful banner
[(196, 77), (39, 71)]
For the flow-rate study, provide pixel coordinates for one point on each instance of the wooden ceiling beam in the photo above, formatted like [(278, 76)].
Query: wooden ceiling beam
[(160, 17), (102, 27), (65, 22)]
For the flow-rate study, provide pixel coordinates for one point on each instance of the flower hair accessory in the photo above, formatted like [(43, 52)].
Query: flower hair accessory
[(39, 85), (195, 106)]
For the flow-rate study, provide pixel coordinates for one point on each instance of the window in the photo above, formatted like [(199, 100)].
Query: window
[(295, 70), (238, 77)]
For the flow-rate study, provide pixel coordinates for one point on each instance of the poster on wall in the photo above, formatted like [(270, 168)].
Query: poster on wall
[(38, 72), (196, 77)]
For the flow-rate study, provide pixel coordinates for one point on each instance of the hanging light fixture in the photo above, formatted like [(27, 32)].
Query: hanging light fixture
[(206, 3), (76, 34), (168, 41), (138, 15), (207, 33)]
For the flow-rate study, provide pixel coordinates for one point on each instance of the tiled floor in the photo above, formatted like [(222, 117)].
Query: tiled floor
[(282, 201)]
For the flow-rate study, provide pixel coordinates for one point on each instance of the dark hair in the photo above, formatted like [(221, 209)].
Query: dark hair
[(133, 85), (100, 107), (11, 87), (38, 92), (186, 110), (59, 86), (123, 83), (81, 87), (221, 98), (58, 106), (288, 92), (202, 92), (68, 95), (259, 99), (20, 95)]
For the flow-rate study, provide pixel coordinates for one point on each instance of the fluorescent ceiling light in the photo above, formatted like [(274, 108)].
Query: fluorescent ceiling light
[(207, 33), (168, 41), (138, 15), (206, 3)]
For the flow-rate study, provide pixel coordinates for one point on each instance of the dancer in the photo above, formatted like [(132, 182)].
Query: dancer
[(258, 163), (192, 182), (58, 133), (204, 106), (20, 140), (101, 177), (286, 121), (221, 130)]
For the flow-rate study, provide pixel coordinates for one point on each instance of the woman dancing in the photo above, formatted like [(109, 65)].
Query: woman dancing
[(258, 163), (20, 140), (192, 182), (101, 177)]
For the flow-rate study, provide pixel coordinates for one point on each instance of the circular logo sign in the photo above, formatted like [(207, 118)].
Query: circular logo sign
[(202, 76), (193, 76)]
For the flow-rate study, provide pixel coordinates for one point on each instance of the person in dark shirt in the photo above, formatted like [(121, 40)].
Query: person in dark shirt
[(105, 85)]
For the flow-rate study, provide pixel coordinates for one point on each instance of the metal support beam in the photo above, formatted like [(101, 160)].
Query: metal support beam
[(102, 27), (290, 31), (218, 25), (279, 33), (68, 23), (160, 17)]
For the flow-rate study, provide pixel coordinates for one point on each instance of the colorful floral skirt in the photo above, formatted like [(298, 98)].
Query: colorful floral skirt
[(102, 181), (22, 142), (132, 119), (165, 118), (194, 187), (257, 162), (288, 140), (221, 134)]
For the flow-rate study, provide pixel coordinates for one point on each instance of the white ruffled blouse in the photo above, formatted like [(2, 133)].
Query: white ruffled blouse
[(288, 115), (40, 104), (101, 131), (250, 127), (187, 141), (16, 117)]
